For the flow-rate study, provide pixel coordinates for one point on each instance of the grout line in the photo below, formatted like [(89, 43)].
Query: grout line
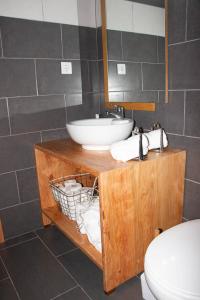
[(158, 97), (191, 180), (42, 3), (41, 58), (31, 96), (186, 19), (66, 252), (142, 77), (61, 39), (17, 170), (17, 244), (157, 49), (36, 81), (121, 44), (17, 294), (19, 198), (184, 112), (41, 139), (63, 267), (31, 132), (135, 62), (64, 293), (8, 111), (184, 42), (19, 204), (65, 99), (1, 43)]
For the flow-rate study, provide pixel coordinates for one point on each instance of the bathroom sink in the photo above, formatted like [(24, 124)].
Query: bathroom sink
[(99, 134)]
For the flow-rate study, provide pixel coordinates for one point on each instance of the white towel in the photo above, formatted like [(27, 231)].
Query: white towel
[(129, 149), (89, 221), (154, 138)]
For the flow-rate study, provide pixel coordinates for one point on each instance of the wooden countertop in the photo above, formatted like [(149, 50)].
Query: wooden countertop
[(95, 161)]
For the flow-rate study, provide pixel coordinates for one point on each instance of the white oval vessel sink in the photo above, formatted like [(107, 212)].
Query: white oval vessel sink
[(99, 134)]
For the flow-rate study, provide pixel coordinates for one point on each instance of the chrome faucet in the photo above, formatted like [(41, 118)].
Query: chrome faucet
[(118, 112)]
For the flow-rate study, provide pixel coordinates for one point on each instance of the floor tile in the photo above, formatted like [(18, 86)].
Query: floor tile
[(3, 273), (35, 272), (90, 278), (75, 294), (7, 291), (17, 240), (55, 240)]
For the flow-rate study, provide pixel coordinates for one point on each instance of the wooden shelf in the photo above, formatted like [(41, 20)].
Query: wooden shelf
[(68, 227)]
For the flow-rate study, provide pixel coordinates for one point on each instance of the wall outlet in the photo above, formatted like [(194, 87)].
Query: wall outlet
[(121, 69), (66, 67)]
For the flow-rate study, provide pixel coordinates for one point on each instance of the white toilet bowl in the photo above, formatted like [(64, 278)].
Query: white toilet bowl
[(172, 264)]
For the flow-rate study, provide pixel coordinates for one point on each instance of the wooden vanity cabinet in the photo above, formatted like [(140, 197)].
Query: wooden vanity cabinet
[(137, 199)]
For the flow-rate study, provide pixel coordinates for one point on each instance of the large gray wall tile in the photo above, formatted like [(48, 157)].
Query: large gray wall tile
[(70, 39), (74, 99), (193, 17), (8, 190), (128, 82), (54, 135), (192, 114), (90, 107), (153, 76), (141, 96), (28, 186), (114, 40), (24, 38), (21, 218), (184, 71), (16, 152), (139, 47), (161, 50), (177, 20), (17, 77), (93, 76), (192, 146), (51, 81), (88, 42), (28, 114), (4, 122), (171, 115), (192, 200)]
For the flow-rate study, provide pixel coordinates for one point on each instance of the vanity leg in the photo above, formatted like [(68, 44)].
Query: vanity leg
[(46, 221), (1, 233), (110, 292)]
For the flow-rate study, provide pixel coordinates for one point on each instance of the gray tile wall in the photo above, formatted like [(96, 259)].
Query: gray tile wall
[(181, 117), (143, 56), (36, 101)]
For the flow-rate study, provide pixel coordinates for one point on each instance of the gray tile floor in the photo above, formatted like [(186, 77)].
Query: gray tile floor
[(45, 265)]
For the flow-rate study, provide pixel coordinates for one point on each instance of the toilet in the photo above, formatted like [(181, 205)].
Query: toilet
[(172, 264)]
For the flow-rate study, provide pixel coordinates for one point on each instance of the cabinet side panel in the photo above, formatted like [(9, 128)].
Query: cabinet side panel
[(170, 193), (128, 205)]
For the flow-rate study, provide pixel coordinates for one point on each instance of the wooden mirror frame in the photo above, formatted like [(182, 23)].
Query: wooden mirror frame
[(148, 106)]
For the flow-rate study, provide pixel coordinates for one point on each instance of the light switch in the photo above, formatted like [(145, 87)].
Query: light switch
[(66, 67), (121, 69)]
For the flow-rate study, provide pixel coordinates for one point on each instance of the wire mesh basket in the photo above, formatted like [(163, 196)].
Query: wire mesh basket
[(75, 193)]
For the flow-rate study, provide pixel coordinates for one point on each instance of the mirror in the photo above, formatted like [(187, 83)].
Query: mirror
[(135, 52)]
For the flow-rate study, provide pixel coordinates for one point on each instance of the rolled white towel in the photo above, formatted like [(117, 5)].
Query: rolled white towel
[(69, 182), (154, 138), (129, 149)]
